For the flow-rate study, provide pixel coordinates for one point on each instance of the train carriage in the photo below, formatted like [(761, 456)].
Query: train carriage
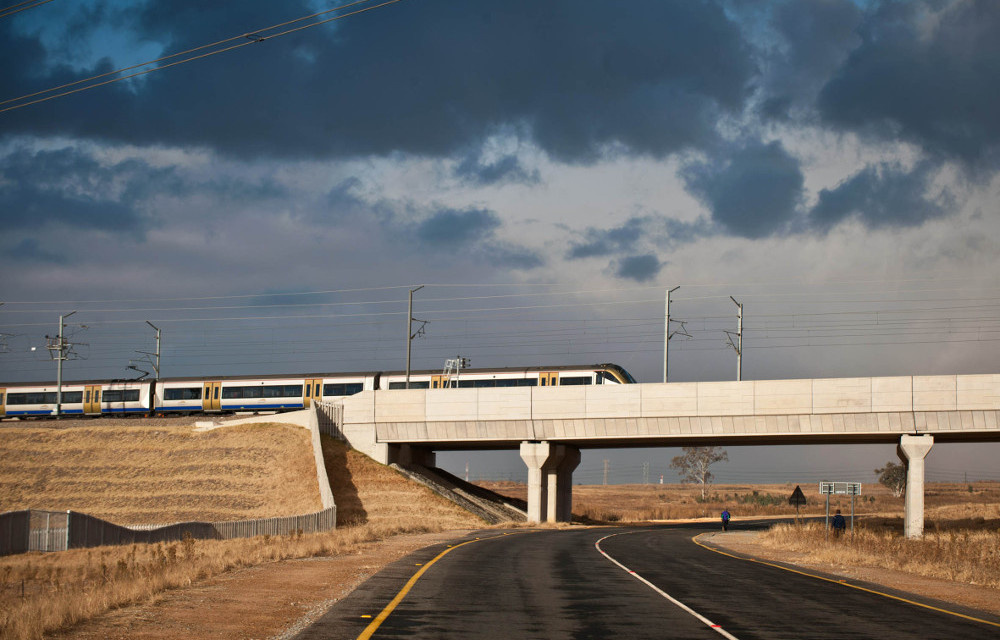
[(120, 398), (41, 400)]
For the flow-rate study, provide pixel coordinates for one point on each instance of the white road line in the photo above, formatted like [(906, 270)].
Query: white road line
[(706, 621)]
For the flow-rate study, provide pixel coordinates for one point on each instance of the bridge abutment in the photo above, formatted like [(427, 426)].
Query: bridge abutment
[(406, 455), (912, 450)]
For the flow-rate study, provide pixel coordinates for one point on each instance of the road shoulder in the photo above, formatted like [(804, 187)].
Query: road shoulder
[(275, 600), (968, 598)]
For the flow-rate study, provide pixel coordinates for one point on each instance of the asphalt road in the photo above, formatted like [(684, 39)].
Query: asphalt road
[(558, 584)]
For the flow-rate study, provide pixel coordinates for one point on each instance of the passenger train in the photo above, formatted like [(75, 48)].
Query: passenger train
[(227, 394)]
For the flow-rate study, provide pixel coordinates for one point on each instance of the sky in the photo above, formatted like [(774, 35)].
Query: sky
[(269, 195)]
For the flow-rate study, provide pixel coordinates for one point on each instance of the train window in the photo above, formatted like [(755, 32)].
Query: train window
[(484, 383), (575, 380), (182, 394), (344, 389), (414, 384), (233, 393), (527, 382), (44, 397), (121, 395), (283, 391)]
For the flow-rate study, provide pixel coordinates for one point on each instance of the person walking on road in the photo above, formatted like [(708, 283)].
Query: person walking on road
[(839, 524), (725, 519)]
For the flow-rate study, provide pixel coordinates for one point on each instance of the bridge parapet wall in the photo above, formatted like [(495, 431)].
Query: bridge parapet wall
[(754, 408)]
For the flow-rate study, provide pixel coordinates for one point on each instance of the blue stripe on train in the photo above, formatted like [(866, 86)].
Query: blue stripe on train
[(236, 407), (41, 412)]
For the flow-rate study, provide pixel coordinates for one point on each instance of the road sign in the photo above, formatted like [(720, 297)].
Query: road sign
[(843, 488), (797, 498)]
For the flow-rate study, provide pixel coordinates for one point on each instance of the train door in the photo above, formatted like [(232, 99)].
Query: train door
[(92, 399), (313, 390), (3, 396), (211, 399), (438, 382), (548, 378)]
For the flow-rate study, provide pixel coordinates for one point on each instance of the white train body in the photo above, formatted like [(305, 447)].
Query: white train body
[(90, 399), (228, 394)]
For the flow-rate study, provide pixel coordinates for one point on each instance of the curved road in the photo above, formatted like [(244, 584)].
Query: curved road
[(559, 584)]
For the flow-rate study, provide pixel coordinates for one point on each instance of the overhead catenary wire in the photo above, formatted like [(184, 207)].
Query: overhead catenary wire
[(252, 38), (21, 6)]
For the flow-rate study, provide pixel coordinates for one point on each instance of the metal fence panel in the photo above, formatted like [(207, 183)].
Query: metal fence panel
[(22, 531), (15, 528)]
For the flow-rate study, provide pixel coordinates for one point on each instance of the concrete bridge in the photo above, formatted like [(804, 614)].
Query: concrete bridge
[(549, 425)]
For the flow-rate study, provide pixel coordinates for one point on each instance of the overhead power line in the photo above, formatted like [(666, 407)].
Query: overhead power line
[(253, 37), (21, 6)]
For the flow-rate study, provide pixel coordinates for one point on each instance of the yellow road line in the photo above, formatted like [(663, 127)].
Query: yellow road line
[(377, 622), (841, 582)]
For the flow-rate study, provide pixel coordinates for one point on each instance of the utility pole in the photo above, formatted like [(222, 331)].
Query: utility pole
[(156, 355), (738, 345), (156, 367), (409, 335), (605, 471), (666, 332), (59, 349)]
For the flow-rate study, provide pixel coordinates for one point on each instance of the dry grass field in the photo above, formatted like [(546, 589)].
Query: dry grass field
[(162, 474), (944, 502), (963, 551), (258, 470)]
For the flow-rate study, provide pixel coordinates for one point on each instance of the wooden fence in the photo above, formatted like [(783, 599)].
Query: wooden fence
[(22, 531)]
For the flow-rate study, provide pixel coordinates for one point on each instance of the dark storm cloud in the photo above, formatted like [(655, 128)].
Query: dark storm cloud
[(817, 38), (605, 242), (928, 72), (753, 192), (428, 77), (472, 233), (879, 195), (64, 187), (639, 268), (451, 227)]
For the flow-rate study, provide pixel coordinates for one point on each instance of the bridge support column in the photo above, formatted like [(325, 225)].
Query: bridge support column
[(551, 479), (540, 458), (912, 450), (569, 462)]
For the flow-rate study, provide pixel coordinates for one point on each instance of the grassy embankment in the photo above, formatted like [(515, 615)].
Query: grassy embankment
[(135, 474), (964, 550)]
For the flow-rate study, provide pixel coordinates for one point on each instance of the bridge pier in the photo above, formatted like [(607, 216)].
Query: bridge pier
[(564, 506), (912, 450), (550, 480)]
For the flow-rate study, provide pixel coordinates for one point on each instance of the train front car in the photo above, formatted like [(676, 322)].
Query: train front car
[(510, 377)]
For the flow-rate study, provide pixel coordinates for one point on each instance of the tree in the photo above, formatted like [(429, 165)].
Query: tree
[(893, 476), (694, 464)]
